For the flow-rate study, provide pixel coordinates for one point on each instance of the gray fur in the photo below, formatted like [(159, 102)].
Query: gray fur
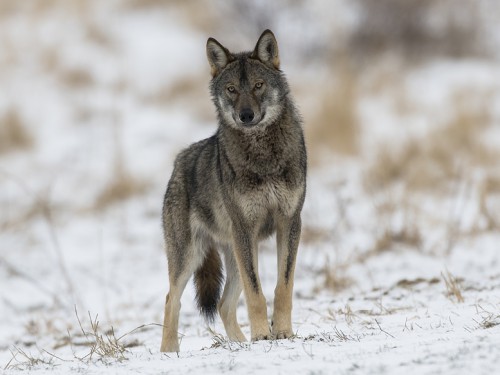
[(237, 187)]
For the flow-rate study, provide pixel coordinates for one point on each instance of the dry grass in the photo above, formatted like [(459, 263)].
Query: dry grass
[(337, 335), (22, 360), (190, 92), (489, 188), (418, 29), (310, 235), (99, 345), (194, 13), (335, 125), (98, 34), (76, 78), (103, 345), (121, 187), (345, 312), (488, 319), (13, 133), (443, 164), (335, 277), (408, 236), (221, 341), (453, 287), (434, 163), (397, 225)]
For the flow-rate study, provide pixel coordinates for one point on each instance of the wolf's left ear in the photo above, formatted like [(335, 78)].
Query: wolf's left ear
[(218, 56), (266, 49)]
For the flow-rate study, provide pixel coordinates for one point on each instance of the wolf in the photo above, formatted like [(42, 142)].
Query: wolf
[(230, 191)]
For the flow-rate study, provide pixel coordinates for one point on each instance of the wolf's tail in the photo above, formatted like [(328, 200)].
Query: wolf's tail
[(208, 284)]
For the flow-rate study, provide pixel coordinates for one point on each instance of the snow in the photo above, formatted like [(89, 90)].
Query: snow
[(61, 256)]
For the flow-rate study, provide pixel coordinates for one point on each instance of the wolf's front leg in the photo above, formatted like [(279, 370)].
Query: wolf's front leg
[(288, 236), (245, 251)]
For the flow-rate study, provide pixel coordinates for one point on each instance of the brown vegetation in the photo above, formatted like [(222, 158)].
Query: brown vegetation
[(418, 28), (13, 133), (444, 155), (335, 125)]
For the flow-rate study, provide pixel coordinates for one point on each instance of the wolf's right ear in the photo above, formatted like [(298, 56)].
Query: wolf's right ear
[(218, 56)]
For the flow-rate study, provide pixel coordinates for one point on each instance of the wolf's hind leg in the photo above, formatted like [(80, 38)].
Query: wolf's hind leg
[(170, 338), (229, 301), (178, 280)]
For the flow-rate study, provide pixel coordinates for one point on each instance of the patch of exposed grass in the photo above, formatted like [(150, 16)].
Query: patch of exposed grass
[(335, 277), (489, 321), (13, 133), (409, 236), (453, 287), (121, 187), (418, 29), (409, 284), (221, 341), (191, 92), (345, 312), (76, 78), (452, 162), (490, 188), (431, 164), (23, 360), (335, 125), (103, 345), (311, 235)]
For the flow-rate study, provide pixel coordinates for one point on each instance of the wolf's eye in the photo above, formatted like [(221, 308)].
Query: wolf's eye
[(231, 89), (258, 85)]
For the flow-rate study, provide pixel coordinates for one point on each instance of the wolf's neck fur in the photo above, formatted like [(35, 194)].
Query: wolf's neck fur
[(263, 151)]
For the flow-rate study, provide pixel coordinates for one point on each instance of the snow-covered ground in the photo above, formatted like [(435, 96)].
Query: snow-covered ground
[(390, 278)]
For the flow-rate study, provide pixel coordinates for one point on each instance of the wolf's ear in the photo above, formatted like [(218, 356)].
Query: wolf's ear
[(218, 56), (266, 49)]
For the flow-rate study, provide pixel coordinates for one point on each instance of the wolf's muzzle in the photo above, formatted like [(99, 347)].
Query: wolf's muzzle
[(246, 115)]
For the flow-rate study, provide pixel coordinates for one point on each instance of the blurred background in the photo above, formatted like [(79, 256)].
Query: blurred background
[(401, 107)]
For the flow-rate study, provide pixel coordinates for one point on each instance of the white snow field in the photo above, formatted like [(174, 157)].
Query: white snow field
[(399, 265)]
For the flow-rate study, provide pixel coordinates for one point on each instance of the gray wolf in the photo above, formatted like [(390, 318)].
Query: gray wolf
[(231, 190)]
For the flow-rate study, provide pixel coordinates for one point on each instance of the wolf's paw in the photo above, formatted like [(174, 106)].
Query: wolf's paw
[(283, 335), (280, 335), (262, 337)]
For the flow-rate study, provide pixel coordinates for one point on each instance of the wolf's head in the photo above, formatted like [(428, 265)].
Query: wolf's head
[(247, 88)]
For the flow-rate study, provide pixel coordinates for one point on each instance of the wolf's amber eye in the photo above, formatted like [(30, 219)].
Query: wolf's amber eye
[(258, 85), (231, 88)]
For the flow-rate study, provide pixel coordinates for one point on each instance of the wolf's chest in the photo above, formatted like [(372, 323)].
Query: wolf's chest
[(258, 195)]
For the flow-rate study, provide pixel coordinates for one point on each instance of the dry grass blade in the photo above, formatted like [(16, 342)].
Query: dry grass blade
[(490, 321), (382, 330), (453, 287), (104, 345), (27, 360), (220, 341)]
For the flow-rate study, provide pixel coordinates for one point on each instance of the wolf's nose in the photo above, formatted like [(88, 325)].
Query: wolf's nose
[(246, 115)]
